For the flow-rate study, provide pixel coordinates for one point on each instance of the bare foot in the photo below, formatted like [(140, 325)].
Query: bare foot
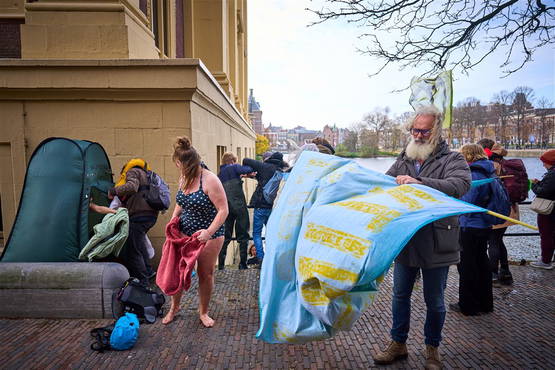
[(169, 316), (206, 321)]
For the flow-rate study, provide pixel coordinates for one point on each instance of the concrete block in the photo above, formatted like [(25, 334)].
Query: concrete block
[(33, 40), (129, 141), (62, 40), (176, 115), (59, 289), (114, 39)]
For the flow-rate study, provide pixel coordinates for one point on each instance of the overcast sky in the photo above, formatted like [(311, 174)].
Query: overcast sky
[(314, 76)]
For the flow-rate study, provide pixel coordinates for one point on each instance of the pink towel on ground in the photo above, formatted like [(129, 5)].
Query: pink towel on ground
[(179, 254)]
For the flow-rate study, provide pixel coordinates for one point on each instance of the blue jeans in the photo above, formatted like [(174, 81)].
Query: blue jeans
[(434, 281), (259, 219)]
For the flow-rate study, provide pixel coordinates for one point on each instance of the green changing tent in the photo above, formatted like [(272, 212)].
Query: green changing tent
[(53, 221)]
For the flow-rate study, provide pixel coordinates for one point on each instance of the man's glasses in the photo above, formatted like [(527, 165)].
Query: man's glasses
[(416, 131)]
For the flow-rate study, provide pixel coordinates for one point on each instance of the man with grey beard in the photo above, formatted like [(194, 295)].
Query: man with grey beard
[(426, 160)]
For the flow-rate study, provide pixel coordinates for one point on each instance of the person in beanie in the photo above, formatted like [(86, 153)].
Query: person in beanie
[(545, 188), (262, 209)]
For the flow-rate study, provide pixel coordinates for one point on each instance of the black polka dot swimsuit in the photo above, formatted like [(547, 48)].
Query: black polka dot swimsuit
[(197, 213)]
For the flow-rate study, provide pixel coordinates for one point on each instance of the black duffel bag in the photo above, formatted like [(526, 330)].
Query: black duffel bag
[(138, 299)]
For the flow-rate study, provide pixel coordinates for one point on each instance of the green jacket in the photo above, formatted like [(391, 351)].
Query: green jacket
[(109, 236)]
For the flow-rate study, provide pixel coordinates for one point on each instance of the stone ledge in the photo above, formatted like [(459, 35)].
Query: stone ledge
[(59, 289)]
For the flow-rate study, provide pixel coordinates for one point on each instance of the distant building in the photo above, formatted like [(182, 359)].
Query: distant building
[(332, 134), (255, 114)]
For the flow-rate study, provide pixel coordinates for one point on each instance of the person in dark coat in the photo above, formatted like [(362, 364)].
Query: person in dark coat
[(475, 277), (426, 160), (262, 209), (238, 217), (142, 217), (545, 188)]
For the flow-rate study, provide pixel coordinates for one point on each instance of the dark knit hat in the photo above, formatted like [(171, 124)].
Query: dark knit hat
[(548, 157)]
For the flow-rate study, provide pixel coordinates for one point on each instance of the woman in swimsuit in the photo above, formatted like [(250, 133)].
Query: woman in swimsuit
[(201, 206)]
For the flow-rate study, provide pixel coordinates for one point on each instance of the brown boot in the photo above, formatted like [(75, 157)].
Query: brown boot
[(393, 352), (433, 360)]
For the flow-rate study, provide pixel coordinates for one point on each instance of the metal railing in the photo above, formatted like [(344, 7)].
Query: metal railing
[(522, 234)]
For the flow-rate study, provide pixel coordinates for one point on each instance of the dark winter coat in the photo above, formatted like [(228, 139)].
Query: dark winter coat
[(130, 195), (545, 188), (482, 169), (436, 244), (230, 176), (264, 172)]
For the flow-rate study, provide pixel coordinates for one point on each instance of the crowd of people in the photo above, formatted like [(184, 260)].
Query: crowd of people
[(212, 206)]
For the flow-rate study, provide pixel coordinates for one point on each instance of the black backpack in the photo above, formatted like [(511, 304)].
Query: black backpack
[(138, 299)]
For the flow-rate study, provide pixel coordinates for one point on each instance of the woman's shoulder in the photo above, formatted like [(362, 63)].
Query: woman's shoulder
[(210, 178)]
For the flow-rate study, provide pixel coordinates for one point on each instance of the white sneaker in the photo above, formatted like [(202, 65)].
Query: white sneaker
[(541, 265)]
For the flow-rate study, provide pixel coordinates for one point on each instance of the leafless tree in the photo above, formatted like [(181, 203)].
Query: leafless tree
[(447, 34), (502, 109), (467, 116), (377, 121), (523, 96), (547, 126), (351, 140), (366, 138)]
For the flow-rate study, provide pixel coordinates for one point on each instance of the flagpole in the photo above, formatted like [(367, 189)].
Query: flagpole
[(495, 214)]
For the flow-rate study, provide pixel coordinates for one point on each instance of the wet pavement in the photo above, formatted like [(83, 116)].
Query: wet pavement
[(518, 334)]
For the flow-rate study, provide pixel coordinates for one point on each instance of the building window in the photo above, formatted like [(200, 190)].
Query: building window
[(179, 25), (239, 155), (220, 150), (143, 6), (160, 26), (10, 37)]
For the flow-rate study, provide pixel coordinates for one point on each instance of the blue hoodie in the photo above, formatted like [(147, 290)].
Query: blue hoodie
[(481, 169)]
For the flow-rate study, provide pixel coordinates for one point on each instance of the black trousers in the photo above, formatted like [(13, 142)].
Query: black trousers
[(497, 251), (134, 251), (475, 285), (238, 217)]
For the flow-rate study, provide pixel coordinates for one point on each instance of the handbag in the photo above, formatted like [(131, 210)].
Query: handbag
[(542, 206)]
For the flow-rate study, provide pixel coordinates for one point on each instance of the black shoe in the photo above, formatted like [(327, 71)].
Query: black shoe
[(242, 267), (455, 307), (506, 278), (220, 267)]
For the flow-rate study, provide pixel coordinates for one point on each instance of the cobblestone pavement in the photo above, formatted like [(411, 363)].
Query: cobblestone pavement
[(523, 247), (519, 334)]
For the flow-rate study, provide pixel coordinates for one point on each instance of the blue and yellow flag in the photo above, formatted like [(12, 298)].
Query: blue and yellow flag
[(334, 231)]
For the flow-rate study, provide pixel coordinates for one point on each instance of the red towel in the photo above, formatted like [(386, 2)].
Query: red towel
[(179, 254)]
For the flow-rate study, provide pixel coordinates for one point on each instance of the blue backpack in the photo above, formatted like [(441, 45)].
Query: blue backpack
[(498, 202), (157, 192), (270, 189), (119, 336)]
